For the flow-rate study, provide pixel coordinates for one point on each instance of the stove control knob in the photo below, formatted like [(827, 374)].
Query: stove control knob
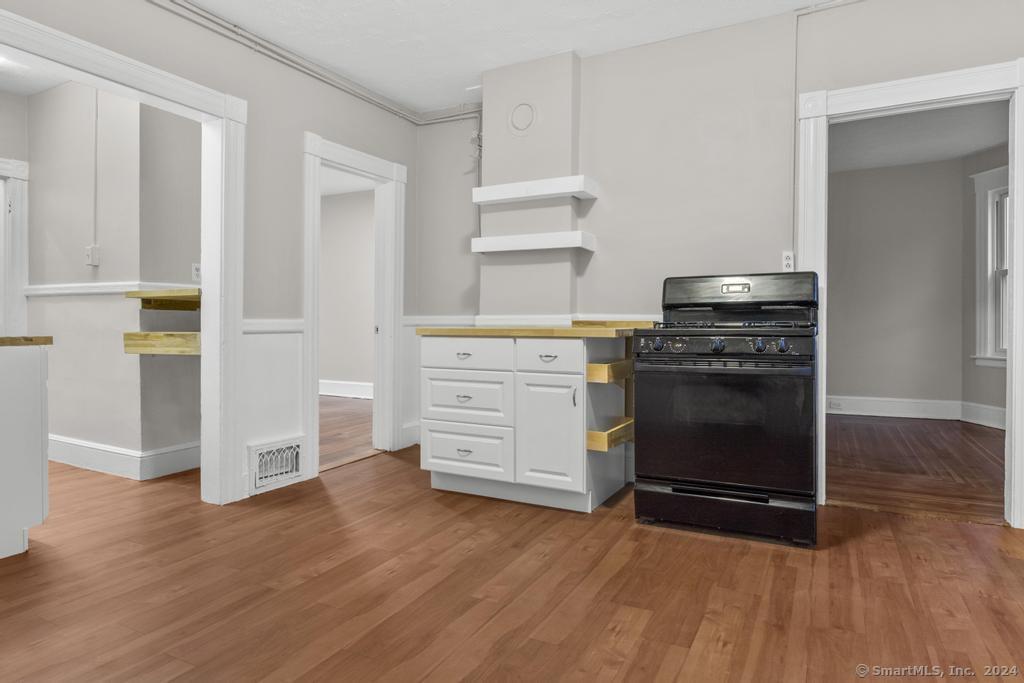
[(784, 346), (658, 344), (677, 346), (717, 345), (760, 346)]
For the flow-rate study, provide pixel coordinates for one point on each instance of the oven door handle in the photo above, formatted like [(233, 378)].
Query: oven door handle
[(804, 371)]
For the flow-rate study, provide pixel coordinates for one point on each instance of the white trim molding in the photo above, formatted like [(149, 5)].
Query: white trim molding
[(513, 320), (331, 387), (124, 462), (273, 326), (875, 406), (816, 111), (94, 288), (13, 169), (388, 272)]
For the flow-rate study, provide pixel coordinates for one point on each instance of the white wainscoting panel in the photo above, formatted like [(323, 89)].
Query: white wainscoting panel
[(989, 416), (124, 462), (272, 393), (330, 387)]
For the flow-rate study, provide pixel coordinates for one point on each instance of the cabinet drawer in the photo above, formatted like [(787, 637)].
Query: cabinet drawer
[(470, 450), (475, 396), (550, 355), (466, 353)]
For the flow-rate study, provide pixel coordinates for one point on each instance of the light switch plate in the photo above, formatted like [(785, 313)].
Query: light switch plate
[(197, 273), (788, 263), (92, 255)]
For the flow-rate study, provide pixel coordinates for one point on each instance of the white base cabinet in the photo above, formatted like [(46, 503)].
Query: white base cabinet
[(507, 418), (23, 424)]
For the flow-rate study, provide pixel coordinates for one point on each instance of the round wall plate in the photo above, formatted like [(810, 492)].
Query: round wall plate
[(521, 118)]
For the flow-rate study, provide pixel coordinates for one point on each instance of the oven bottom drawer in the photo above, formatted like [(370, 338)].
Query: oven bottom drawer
[(790, 519)]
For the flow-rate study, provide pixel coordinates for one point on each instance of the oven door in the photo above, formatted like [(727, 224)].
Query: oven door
[(745, 425)]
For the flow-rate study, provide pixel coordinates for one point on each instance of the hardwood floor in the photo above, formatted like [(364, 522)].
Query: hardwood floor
[(938, 468), (366, 573), (346, 431)]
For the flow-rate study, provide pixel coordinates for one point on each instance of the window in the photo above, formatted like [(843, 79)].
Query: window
[(992, 200)]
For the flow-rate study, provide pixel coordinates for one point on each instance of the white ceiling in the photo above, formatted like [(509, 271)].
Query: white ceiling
[(20, 79), (425, 53), (333, 181), (917, 138)]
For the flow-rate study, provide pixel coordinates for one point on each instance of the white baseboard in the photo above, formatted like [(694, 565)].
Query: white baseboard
[(438, 320), (980, 414), (124, 462), (330, 387), (990, 416), (556, 320), (410, 433)]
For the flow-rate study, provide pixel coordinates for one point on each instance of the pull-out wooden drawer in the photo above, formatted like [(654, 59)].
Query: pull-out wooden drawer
[(471, 450), (474, 396), (550, 355), (467, 353)]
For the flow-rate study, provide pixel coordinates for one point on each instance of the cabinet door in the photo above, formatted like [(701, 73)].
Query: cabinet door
[(551, 430)]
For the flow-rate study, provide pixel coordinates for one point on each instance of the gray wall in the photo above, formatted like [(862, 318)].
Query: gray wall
[(147, 203), (169, 194), (283, 104), (895, 264), (69, 154), (13, 126), (692, 140), (346, 288), (902, 264), (984, 385)]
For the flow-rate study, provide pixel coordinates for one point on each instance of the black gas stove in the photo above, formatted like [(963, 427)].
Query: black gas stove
[(725, 409)]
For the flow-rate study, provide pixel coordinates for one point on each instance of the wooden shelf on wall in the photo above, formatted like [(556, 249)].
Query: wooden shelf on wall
[(168, 299), (578, 186), (607, 437), (608, 373), (162, 343)]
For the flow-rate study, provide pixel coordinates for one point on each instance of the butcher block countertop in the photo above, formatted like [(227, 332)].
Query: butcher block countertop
[(581, 329), (26, 341)]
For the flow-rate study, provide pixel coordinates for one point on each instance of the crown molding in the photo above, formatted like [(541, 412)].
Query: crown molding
[(213, 22)]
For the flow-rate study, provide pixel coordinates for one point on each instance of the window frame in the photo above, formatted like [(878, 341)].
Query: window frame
[(990, 308)]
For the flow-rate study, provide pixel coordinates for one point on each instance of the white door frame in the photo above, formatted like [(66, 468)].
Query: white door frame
[(13, 247), (389, 251), (819, 109), (222, 117)]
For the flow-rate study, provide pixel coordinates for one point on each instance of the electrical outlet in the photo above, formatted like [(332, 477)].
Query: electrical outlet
[(788, 264), (197, 273), (834, 404), (92, 255)]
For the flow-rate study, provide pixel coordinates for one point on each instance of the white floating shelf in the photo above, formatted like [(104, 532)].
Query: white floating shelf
[(579, 186), (569, 239)]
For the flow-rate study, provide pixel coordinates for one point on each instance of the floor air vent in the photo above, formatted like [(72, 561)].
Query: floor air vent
[(275, 463)]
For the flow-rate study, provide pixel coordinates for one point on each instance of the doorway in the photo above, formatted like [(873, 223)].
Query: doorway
[(346, 317), (354, 228), (819, 112), (221, 118)]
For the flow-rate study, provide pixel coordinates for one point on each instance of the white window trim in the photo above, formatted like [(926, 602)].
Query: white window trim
[(987, 185)]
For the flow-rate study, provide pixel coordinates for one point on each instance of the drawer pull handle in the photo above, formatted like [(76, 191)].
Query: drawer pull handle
[(574, 397), (547, 357), (463, 355), (462, 398), (463, 452)]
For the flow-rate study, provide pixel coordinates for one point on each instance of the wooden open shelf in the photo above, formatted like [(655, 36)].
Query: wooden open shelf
[(162, 343), (618, 431), (168, 299), (607, 373)]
